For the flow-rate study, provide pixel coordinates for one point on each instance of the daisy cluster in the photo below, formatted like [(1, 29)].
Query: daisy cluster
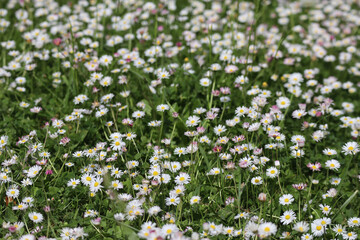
[(139, 119)]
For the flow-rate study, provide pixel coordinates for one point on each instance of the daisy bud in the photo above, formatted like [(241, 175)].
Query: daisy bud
[(12, 229), (200, 129), (47, 209), (206, 226), (96, 221), (57, 41), (257, 151), (305, 124), (244, 164), (302, 106), (217, 149), (277, 163), (95, 90), (262, 197), (215, 93), (195, 236)]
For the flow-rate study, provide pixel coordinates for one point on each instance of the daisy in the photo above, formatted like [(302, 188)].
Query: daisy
[(36, 217), (339, 230), (115, 136), (205, 82), (329, 152), (130, 136), (117, 145), (178, 190), (26, 182), (163, 74), (272, 172), (27, 237), (116, 173), (33, 171), (317, 228), (4, 177), (192, 121), (21, 206), (266, 229), (173, 199), (354, 222), (44, 154), (286, 199), (332, 164), (350, 236), (169, 229), (154, 210), (162, 108), (306, 237), (297, 114), (283, 102), (288, 217), (180, 151), (314, 166), (24, 104), (335, 181), (299, 186), (138, 114), (95, 184), (242, 215), (215, 171), (228, 230), (350, 148), (69, 164), (219, 129), (87, 178), (195, 200), (256, 180), (73, 183), (301, 227), (155, 123), (175, 166), (117, 185), (182, 178), (77, 154), (154, 173), (325, 209)]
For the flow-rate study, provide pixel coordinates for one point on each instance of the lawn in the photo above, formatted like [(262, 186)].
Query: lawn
[(165, 119)]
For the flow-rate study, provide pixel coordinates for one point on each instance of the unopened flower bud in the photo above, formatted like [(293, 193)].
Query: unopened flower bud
[(262, 197)]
